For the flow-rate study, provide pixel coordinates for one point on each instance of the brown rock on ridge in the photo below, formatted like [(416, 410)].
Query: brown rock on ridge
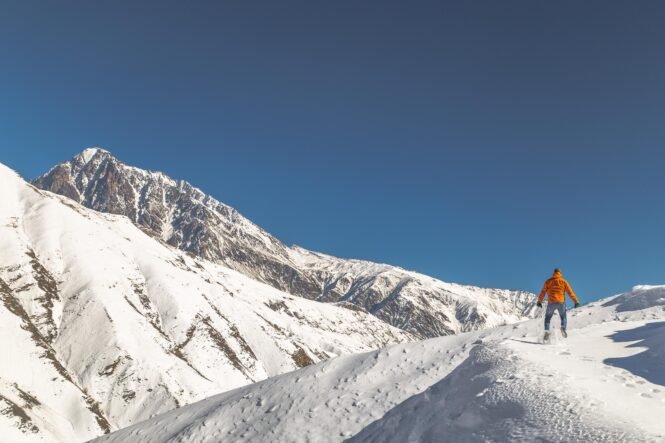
[(183, 216)]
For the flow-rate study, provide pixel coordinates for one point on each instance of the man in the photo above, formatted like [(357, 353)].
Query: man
[(556, 288)]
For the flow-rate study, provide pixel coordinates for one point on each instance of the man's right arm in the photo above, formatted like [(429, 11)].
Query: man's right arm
[(543, 292)]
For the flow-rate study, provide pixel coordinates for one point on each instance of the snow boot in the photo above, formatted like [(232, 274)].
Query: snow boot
[(564, 333), (547, 336)]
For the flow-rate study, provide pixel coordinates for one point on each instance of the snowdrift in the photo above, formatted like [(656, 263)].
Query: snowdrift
[(490, 386)]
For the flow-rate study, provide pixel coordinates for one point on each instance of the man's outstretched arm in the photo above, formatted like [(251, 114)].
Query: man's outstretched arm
[(571, 294), (541, 297)]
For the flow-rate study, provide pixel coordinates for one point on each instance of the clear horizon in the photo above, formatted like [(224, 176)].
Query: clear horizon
[(480, 143)]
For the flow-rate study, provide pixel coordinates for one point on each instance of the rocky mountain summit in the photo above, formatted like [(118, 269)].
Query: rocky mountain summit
[(102, 326), (182, 216)]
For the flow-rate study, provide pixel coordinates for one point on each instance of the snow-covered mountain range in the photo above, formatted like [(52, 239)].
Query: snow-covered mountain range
[(184, 217), (604, 383), (125, 294), (159, 313), (102, 326)]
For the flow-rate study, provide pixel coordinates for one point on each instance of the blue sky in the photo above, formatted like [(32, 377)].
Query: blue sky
[(479, 142)]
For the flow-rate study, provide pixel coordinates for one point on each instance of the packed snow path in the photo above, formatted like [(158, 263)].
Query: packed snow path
[(581, 362), (522, 390), (602, 384)]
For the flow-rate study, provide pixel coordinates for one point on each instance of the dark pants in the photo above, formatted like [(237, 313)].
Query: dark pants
[(549, 312)]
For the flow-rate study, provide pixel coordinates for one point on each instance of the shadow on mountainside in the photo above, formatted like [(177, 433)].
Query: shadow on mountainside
[(641, 297), (649, 364)]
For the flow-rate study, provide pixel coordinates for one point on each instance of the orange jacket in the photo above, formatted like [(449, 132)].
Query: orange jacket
[(556, 287)]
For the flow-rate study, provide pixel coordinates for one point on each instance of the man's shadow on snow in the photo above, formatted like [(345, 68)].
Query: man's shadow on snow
[(649, 364)]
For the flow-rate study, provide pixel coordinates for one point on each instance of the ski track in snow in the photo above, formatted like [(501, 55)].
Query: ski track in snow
[(492, 386)]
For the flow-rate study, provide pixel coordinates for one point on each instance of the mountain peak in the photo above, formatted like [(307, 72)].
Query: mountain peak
[(168, 328), (89, 153), (188, 219)]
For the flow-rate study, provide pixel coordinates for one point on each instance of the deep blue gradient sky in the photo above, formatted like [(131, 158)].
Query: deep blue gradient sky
[(479, 142)]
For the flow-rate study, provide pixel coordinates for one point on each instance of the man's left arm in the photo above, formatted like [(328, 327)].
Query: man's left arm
[(571, 294)]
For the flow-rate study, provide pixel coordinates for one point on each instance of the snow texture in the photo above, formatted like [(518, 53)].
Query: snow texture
[(102, 326), (166, 313), (183, 216), (484, 386)]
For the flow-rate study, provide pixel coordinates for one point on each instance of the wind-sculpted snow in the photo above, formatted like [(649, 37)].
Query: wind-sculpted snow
[(496, 396), (495, 385), (641, 297), (183, 216), (102, 326), (650, 361)]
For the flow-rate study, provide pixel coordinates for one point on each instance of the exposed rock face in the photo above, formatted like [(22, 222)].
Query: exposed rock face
[(183, 216), (102, 326)]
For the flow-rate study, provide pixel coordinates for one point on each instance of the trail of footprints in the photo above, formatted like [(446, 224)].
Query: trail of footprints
[(628, 379)]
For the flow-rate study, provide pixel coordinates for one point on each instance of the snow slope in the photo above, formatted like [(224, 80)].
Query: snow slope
[(183, 216), (102, 326), (602, 384)]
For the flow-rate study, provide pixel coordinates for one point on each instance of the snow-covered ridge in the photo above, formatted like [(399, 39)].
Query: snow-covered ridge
[(183, 216), (102, 326), (604, 383)]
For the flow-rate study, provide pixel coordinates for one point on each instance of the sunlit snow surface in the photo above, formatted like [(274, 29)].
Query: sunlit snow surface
[(501, 385), (185, 217), (102, 326)]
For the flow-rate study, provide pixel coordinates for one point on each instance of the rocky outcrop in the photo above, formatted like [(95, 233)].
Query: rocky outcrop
[(103, 326), (183, 216)]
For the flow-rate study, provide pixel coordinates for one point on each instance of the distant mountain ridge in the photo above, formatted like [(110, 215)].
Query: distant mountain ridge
[(183, 216)]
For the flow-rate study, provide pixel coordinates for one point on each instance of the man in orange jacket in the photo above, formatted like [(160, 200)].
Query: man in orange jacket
[(556, 288)]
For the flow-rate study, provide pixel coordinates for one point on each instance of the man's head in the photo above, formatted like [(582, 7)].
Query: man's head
[(557, 271)]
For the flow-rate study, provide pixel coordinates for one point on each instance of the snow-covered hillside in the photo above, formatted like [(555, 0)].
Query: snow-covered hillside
[(183, 216), (604, 383), (102, 326)]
